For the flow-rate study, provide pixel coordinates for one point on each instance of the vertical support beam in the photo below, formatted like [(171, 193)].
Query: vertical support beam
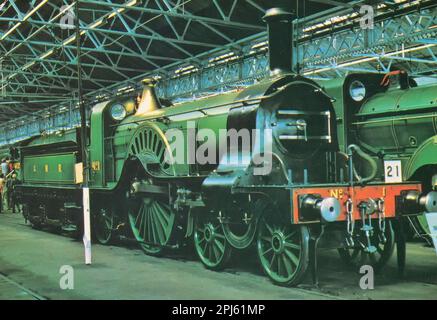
[(84, 146)]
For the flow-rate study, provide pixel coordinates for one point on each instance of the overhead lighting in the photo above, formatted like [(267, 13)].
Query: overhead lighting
[(96, 24), (347, 64), (411, 49), (10, 30), (124, 88), (27, 66), (45, 55), (27, 16), (69, 40), (120, 10)]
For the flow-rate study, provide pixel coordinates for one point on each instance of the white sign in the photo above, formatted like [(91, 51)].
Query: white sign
[(431, 218), (87, 225), (393, 171)]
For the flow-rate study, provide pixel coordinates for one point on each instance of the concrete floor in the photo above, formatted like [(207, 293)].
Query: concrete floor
[(33, 259)]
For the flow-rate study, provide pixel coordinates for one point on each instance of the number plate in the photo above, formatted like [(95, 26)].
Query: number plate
[(393, 171)]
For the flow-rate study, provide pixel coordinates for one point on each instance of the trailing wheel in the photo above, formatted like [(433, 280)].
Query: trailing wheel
[(283, 250), (104, 223), (152, 222), (357, 257), (210, 243)]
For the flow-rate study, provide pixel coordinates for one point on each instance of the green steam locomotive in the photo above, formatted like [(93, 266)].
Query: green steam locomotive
[(395, 121), (258, 167)]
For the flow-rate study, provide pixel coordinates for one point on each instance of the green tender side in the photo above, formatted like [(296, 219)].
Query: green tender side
[(49, 169), (50, 159)]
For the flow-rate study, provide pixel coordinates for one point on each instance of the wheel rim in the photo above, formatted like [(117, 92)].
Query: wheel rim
[(104, 225), (240, 236), (357, 257), (240, 229), (282, 251), (210, 242), (152, 223)]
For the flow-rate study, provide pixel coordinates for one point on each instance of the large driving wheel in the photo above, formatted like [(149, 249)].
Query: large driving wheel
[(282, 249), (152, 222), (357, 257), (210, 242)]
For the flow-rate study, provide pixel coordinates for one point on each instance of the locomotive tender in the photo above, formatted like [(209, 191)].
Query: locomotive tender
[(309, 198)]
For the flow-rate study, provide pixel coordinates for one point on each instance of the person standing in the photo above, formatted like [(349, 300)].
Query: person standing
[(4, 167), (8, 190), (11, 165), (5, 192), (2, 182), (13, 196)]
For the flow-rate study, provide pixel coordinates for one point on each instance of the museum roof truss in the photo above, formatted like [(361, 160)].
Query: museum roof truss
[(193, 47)]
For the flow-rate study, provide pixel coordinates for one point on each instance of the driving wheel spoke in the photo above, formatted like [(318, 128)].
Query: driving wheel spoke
[(210, 242), (282, 250), (152, 223)]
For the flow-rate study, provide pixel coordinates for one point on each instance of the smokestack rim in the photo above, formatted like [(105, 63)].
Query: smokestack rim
[(278, 14)]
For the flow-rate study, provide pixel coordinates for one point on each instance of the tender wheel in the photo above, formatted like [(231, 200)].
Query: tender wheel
[(104, 223), (357, 257), (34, 216), (210, 243), (283, 250), (152, 222)]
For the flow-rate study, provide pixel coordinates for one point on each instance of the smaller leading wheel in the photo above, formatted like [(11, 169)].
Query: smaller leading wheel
[(283, 249), (210, 243), (104, 222), (357, 257)]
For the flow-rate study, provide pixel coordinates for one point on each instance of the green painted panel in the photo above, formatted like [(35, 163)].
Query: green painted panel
[(400, 119), (49, 169), (96, 145), (334, 88), (425, 155), (401, 100)]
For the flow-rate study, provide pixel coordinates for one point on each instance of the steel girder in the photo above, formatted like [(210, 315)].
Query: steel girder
[(329, 45)]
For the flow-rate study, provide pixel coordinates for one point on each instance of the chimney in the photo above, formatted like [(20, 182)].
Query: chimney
[(149, 101), (280, 33)]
